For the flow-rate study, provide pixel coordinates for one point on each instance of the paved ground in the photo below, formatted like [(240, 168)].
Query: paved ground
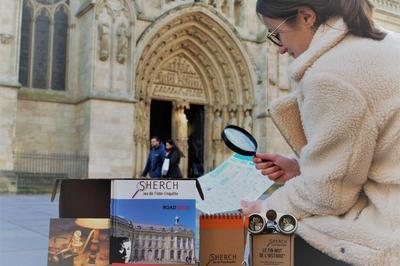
[(24, 229)]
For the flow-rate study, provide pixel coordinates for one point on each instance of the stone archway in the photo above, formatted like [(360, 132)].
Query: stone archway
[(192, 56)]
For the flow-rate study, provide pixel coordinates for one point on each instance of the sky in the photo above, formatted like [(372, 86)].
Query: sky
[(151, 211)]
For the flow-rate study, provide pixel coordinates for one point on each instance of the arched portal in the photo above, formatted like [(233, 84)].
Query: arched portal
[(192, 56)]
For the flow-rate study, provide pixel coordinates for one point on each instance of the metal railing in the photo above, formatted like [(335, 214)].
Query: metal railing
[(70, 165), (36, 172)]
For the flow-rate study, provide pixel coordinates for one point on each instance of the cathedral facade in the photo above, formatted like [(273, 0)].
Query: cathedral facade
[(85, 83)]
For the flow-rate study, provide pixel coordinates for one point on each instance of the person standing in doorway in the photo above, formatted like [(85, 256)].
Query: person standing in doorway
[(174, 155), (155, 159)]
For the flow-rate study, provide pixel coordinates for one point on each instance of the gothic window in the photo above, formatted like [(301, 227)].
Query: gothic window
[(59, 49), (26, 35), (41, 50), (44, 41)]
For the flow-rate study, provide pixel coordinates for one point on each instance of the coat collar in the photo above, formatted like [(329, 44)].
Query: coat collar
[(326, 37)]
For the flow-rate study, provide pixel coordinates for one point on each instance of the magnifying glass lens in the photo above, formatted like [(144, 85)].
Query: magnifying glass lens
[(240, 140)]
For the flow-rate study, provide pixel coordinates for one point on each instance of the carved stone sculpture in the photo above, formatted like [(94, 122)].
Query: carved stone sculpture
[(181, 124), (248, 121), (217, 126), (232, 117), (6, 38), (104, 37), (123, 37)]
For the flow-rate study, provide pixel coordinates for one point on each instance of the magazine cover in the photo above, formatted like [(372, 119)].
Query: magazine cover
[(79, 242), (153, 222)]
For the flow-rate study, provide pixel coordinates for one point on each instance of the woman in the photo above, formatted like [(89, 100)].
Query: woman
[(343, 122), (174, 155)]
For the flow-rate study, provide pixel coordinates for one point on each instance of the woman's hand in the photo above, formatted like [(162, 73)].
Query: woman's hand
[(278, 168), (249, 207)]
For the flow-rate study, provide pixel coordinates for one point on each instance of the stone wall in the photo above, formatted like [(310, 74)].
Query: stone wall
[(45, 127), (110, 139), (8, 106), (9, 54)]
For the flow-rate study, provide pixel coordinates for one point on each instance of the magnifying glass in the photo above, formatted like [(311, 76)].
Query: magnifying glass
[(138, 189), (239, 140)]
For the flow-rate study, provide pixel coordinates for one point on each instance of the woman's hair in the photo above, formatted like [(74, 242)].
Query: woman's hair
[(357, 14), (175, 147)]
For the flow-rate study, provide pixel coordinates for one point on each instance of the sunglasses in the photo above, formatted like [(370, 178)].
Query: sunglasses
[(273, 36)]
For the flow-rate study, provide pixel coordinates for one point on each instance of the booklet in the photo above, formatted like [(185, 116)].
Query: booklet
[(234, 180), (79, 241), (153, 221), (223, 239)]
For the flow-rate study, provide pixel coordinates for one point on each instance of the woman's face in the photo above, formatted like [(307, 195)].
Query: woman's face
[(168, 146), (295, 35)]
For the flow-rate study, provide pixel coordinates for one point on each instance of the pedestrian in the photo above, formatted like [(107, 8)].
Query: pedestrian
[(174, 154), (155, 159), (343, 122)]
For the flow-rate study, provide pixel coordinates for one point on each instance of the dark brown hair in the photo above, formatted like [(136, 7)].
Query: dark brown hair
[(175, 147), (156, 138), (357, 14)]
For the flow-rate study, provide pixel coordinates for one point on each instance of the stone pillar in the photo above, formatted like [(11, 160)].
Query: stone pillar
[(109, 138), (180, 132), (218, 4), (231, 9), (8, 110), (241, 14), (175, 248), (217, 127), (106, 54), (226, 116), (141, 136), (10, 21)]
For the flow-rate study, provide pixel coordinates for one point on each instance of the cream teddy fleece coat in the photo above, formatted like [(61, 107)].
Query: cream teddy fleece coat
[(343, 121)]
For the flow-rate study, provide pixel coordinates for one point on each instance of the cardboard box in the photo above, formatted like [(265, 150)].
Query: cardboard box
[(272, 249), (88, 198)]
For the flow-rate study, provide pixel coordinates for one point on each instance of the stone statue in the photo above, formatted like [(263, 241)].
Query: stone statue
[(232, 118), (123, 37), (181, 124), (104, 37), (217, 126), (248, 121), (139, 120)]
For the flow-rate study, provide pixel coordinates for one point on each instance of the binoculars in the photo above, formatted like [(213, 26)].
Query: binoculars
[(272, 222)]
